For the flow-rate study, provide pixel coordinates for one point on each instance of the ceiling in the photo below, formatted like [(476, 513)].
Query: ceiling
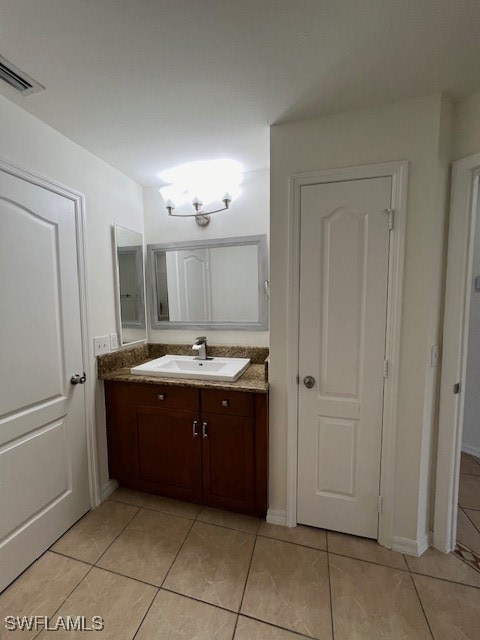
[(150, 84)]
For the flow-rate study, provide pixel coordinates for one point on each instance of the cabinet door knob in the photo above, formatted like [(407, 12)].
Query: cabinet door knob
[(204, 430), (161, 396), (224, 403), (194, 428)]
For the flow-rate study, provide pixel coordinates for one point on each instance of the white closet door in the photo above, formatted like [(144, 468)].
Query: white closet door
[(343, 302)]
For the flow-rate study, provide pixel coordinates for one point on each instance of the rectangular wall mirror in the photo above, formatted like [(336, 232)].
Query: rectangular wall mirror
[(209, 284), (130, 285)]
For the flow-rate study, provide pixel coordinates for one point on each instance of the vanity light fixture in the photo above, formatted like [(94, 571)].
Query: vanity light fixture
[(202, 218)]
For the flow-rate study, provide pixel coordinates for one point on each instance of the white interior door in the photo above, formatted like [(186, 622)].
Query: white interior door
[(343, 304), (43, 444), (194, 285)]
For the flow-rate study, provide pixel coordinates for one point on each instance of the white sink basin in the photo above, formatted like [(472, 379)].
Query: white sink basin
[(229, 369)]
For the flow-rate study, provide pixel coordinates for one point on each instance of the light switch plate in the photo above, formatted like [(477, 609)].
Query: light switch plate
[(101, 345), (113, 342)]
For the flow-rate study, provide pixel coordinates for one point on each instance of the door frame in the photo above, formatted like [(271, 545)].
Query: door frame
[(398, 172), (78, 200), (458, 292)]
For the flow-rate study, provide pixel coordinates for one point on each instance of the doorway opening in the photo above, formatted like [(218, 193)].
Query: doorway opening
[(457, 499)]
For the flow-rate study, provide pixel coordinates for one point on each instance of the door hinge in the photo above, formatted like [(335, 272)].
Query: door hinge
[(391, 217), (457, 387), (379, 504), (385, 368), (298, 378)]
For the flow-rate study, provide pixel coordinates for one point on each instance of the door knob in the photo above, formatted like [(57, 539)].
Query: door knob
[(309, 381), (78, 379)]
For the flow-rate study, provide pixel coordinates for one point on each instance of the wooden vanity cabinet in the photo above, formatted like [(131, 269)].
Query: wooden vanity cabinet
[(169, 458), (204, 445)]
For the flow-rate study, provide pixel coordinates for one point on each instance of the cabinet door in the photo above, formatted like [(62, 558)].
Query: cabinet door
[(121, 436), (169, 452), (228, 462)]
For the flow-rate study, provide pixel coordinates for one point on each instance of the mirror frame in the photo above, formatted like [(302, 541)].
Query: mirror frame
[(260, 241), (139, 259)]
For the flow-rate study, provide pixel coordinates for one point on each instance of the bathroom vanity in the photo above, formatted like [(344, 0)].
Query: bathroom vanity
[(196, 440)]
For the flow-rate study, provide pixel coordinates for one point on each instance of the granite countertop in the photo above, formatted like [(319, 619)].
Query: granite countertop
[(253, 380)]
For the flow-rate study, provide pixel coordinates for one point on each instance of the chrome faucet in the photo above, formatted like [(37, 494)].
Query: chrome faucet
[(200, 345)]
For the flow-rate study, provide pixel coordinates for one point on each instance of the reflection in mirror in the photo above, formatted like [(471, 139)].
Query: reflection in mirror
[(215, 284), (130, 285)]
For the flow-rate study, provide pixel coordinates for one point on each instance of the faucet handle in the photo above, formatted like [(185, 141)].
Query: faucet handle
[(200, 340)]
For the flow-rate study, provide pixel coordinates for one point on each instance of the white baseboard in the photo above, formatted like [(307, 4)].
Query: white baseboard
[(473, 451), (412, 547), (107, 489), (277, 517)]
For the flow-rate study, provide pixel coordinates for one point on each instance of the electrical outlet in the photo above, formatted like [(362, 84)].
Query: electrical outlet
[(435, 356), (101, 345), (113, 342)]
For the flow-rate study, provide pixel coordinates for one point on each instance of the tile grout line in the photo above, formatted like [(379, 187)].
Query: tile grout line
[(276, 626), (297, 544), (170, 513), (235, 613), (64, 555), (124, 575), (210, 604), (377, 564), (163, 581), (246, 580), (235, 626), (146, 614), (177, 554), (418, 595), (194, 519), (117, 536), (332, 625), (470, 520), (428, 575), (421, 605), (92, 566), (66, 597)]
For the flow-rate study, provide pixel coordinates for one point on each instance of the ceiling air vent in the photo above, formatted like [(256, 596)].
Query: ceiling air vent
[(17, 79)]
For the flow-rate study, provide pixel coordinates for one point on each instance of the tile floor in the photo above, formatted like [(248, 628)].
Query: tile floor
[(157, 569), (468, 522)]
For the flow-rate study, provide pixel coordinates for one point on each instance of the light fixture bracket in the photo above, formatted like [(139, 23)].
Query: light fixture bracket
[(202, 218)]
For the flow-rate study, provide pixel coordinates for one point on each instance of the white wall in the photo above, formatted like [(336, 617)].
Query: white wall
[(417, 131), (471, 421), (466, 126), (109, 197), (249, 215), (466, 142)]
